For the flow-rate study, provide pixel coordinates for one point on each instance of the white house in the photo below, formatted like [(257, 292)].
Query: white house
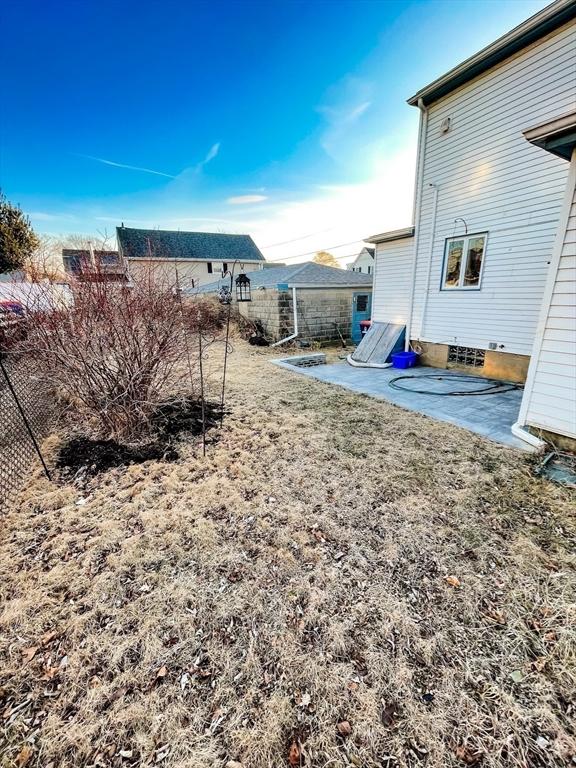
[(191, 258), (486, 276), (364, 262)]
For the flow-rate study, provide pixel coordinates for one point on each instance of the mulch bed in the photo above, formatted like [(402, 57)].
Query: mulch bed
[(82, 454)]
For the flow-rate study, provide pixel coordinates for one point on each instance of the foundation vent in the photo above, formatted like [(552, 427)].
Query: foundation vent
[(469, 356)]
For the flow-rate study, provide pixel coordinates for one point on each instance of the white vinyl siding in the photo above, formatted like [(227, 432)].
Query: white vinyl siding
[(550, 397), (489, 175), (363, 263), (392, 272)]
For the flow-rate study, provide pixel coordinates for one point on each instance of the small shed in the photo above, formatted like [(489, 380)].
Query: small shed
[(329, 302)]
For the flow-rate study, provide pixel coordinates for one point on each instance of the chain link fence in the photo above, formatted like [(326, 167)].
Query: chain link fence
[(26, 413)]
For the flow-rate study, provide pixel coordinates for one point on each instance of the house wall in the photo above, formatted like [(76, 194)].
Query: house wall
[(320, 310), (363, 263), (190, 273), (393, 265), (488, 174), (549, 401)]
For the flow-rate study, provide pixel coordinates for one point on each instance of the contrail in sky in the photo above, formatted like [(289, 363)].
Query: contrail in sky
[(129, 167)]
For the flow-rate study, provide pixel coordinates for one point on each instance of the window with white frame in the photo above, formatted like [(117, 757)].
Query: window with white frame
[(463, 260), (369, 270)]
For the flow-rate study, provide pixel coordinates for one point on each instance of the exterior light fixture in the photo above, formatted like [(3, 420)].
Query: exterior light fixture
[(243, 292)]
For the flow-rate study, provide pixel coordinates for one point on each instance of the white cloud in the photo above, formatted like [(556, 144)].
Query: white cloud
[(339, 216), (246, 199), (210, 155)]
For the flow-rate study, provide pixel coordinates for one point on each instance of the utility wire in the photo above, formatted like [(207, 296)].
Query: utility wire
[(327, 248), (295, 239)]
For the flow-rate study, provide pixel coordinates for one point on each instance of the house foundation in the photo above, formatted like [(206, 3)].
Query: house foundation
[(497, 365)]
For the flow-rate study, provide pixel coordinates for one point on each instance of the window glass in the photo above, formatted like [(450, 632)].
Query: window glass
[(453, 263), (209, 265), (474, 260), (361, 303)]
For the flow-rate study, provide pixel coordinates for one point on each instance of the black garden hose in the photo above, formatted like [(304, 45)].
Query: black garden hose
[(493, 386)]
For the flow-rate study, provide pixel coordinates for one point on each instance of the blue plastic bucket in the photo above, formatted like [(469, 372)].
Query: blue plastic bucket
[(404, 359)]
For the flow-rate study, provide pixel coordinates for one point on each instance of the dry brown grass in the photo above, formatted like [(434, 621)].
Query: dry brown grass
[(239, 607)]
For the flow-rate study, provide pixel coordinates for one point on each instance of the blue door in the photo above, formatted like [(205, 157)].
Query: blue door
[(361, 310)]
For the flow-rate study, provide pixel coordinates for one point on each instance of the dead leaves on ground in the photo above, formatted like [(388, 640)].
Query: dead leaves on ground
[(162, 672), (468, 756), (294, 755), (47, 638), (23, 757), (344, 728)]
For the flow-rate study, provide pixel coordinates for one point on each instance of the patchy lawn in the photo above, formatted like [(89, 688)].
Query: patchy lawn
[(338, 583)]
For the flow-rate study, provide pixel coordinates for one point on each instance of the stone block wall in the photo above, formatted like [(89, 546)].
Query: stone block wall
[(265, 308), (322, 312)]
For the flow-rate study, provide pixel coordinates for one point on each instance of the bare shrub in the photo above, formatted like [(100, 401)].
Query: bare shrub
[(115, 352), (206, 313)]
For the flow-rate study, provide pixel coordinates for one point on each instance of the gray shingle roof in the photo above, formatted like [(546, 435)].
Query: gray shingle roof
[(211, 246), (307, 274)]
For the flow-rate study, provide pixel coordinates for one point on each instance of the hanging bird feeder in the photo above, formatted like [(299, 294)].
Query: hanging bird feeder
[(243, 292)]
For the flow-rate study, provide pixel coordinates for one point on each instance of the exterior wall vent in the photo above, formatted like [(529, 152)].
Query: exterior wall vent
[(445, 125), (469, 356)]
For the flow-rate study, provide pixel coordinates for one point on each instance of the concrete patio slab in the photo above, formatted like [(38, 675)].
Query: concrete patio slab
[(491, 416)]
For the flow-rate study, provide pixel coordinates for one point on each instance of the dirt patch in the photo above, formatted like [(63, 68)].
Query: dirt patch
[(90, 457), (97, 456), (185, 415)]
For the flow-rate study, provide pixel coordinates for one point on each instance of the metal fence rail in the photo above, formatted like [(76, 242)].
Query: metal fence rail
[(26, 413)]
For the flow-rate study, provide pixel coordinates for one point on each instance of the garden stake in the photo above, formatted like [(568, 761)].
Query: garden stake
[(226, 343), (179, 295)]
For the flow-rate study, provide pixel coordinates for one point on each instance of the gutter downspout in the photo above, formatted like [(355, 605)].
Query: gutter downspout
[(430, 255), (295, 312), (522, 434), (417, 209)]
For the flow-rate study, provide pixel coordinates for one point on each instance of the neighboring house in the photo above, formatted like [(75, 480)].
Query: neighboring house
[(330, 302), (364, 262), (485, 278), (190, 258), (91, 266)]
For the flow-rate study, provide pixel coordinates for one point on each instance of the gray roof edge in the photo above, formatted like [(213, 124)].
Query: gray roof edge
[(184, 232), (254, 260), (540, 24), (554, 127), (395, 234), (333, 286)]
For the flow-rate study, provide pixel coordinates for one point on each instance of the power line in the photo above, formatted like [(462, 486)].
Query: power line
[(327, 248), (295, 239), (344, 256)]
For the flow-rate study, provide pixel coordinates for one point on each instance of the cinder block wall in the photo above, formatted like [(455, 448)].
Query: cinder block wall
[(265, 308), (320, 311)]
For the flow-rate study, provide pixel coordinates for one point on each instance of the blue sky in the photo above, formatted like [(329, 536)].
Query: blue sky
[(281, 118)]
